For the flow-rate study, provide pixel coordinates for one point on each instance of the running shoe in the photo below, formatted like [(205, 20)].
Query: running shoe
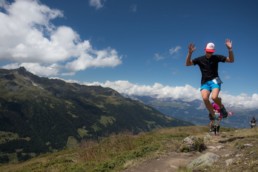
[(224, 112)]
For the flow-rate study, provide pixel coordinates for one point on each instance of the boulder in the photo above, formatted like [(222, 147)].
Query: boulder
[(192, 143), (206, 159)]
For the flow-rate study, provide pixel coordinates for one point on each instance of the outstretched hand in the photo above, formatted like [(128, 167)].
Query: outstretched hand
[(191, 48), (229, 44)]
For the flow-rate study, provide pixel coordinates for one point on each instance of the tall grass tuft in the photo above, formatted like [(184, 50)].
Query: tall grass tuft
[(106, 148)]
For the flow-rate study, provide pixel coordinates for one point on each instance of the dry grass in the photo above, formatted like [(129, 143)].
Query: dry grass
[(108, 154), (118, 151)]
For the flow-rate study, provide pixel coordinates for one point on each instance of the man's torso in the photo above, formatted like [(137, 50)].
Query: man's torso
[(209, 66)]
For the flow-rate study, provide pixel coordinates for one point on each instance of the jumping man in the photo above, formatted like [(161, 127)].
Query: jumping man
[(210, 82)]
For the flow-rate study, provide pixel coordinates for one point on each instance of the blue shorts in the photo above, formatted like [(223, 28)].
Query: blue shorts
[(210, 85)]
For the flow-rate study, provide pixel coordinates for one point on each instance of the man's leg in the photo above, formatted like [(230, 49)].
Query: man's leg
[(215, 97), (218, 128), (206, 100), (211, 125)]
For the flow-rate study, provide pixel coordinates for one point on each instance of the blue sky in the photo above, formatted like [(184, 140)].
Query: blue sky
[(133, 46)]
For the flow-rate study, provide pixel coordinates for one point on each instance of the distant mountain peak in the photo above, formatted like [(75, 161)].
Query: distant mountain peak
[(22, 69)]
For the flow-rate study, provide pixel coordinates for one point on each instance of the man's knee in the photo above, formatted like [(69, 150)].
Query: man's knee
[(205, 99), (215, 98)]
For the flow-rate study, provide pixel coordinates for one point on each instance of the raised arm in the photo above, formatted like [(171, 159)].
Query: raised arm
[(191, 49), (230, 57)]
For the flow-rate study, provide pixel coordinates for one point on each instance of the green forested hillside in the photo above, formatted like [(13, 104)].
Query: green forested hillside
[(40, 115)]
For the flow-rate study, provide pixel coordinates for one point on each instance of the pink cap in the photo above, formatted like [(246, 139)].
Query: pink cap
[(210, 48)]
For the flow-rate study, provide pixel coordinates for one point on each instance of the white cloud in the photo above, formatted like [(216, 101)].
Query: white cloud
[(2, 3), (174, 50), (97, 3), (186, 93), (28, 38), (36, 68), (102, 58), (134, 8), (158, 57), (242, 101)]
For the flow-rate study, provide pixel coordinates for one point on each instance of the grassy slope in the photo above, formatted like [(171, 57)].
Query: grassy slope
[(109, 154), (117, 152)]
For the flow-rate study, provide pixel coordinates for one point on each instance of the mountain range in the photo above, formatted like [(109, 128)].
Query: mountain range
[(39, 115), (195, 111)]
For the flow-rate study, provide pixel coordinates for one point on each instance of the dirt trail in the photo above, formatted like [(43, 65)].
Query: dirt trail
[(172, 161), (168, 163)]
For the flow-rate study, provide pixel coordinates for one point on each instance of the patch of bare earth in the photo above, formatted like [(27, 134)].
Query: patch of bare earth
[(172, 161), (166, 163)]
